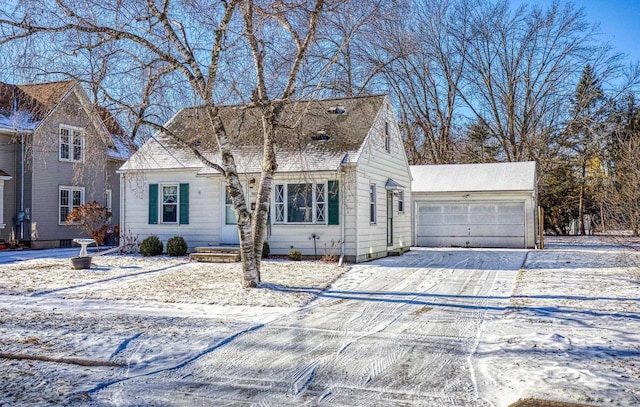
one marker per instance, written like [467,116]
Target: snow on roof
[314,137]
[519,176]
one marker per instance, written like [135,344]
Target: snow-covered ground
[432,327]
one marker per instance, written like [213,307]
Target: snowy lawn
[167,279]
[431,327]
[572,331]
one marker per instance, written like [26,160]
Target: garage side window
[372,203]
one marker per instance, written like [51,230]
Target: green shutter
[184,204]
[153,204]
[333,202]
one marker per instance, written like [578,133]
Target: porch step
[216,254]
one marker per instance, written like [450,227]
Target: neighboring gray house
[343,177]
[57,152]
[475,205]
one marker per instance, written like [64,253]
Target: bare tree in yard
[620,196]
[431,38]
[520,73]
[199,52]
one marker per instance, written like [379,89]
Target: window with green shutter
[153,204]
[169,203]
[333,202]
[184,204]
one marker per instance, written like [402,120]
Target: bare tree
[430,40]
[148,56]
[520,72]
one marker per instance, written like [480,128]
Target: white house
[342,185]
[475,205]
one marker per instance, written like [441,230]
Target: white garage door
[470,224]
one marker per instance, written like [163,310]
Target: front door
[389,218]
[229,227]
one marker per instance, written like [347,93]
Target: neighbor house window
[306,203]
[169,203]
[68,199]
[372,203]
[400,201]
[108,198]
[71,144]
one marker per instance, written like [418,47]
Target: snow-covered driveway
[395,331]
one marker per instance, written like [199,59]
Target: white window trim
[72,134]
[161,203]
[70,206]
[108,202]
[314,207]
[373,205]
[400,201]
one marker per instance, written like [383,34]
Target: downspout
[122,210]
[342,221]
[22,185]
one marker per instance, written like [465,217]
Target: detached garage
[475,205]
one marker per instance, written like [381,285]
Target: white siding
[204,208]
[376,166]
[286,237]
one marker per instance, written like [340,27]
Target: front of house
[58,153]
[342,186]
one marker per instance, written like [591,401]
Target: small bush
[295,255]
[266,250]
[151,246]
[177,246]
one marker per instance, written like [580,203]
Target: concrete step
[218,249]
[215,257]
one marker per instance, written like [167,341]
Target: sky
[619,21]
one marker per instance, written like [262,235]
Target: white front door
[229,228]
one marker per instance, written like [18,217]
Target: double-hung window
[372,203]
[387,138]
[401,201]
[68,199]
[169,203]
[306,203]
[71,144]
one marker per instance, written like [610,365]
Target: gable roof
[3,174]
[22,107]
[316,135]
[518,176]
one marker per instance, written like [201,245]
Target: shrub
[92,218]
[177,246]
[266,250]
[295,255]
[151,246]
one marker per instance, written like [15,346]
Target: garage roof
[519,176]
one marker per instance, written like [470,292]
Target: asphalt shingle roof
[316,135]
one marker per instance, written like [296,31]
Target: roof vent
[320,136]
[337,110]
